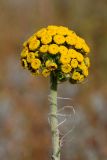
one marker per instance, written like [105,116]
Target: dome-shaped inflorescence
[59,50]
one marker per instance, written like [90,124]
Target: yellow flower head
[24,63]
[30,56]
[24,52]
[33,45]
[32,38]
[44,48]
[71,40]
[86,48]
[53,49]
[46,39]
[58,50]
[63,50]
[25,43]
[72,53]
[82,66]
[41,32]
[87,61]
[35,63]
[65,58]
[76,75]
[36,73]
[52,30]
[71,33]
[81,78]
[85,72]
[79,57]
[62,30]
[50,65]
[66,68]
[59,39]
[46,72]
[79,43]
[74,63]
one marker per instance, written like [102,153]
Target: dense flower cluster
[59,50]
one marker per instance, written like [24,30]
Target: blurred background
[24,107]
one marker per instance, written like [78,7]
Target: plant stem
[53,118]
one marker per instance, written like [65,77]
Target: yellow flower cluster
[56,49]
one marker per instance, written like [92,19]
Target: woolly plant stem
[53,118]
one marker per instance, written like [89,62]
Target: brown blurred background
[24,107]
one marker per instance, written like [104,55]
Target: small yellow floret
[50,65]
[36,63]
[62,30]
[30,57]
[46,39]
[53,48]
[71,33]
[46,72]
[25,43]
[76,75]
[85,72]
[41,32]
[63,50]
[79,43]
[24,52]
[36,73]
[81,78]
[66,68]
[71,40]
[87,61]
[65,58]
[82,66]
[59,39]
[74,63]
[44,48]
[24,63]
[86,48]
[72,53]
[52,30]
[79,57]
[33,45]
[32,38]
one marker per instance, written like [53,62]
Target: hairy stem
[53,118]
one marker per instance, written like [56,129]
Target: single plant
[57,52]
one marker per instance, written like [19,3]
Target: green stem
[53,118]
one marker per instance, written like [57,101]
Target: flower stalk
[53,118]
[58,52]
